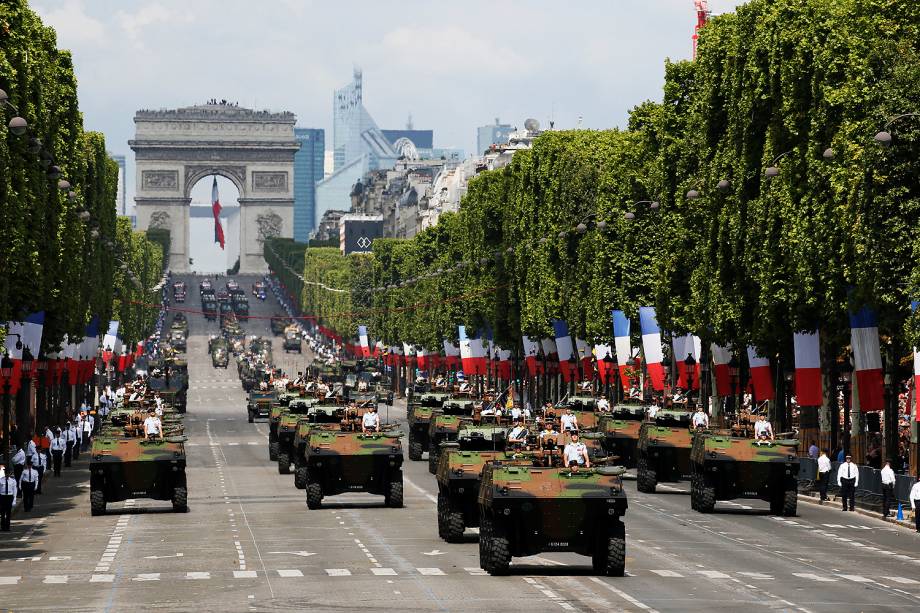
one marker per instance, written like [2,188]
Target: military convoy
[621,431]
[664,449]
[444,426]
[418,413]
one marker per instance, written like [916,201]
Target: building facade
[121,201]
[308,171]
[496,134]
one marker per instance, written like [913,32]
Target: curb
[812,500]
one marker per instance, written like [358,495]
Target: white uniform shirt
[29,475]
[569,422]
[518,433]
[824,463]
[887,476]
[914,494]
[39,460]
[515,413]
[78,428]
[370,420]
[87,427]
[603,405]
[573,452]
[19,458]
[152,425]
[700,419]
[59,443]
[653,411]
[761,427]
[30,448]
[848,470]
[71,435]
[8,487]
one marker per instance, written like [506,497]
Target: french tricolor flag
[867,358]
[563,348]
[27,333]
[601,352]
[687,345]
[451,356]
[472,355]
[808,389]
[651,345]
[761,375]
[421,358]
[621,342]
[88,350]
[531,349]
[504,363]
[363,340]
[585,357]
[721,356]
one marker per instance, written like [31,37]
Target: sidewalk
[835,503]
[58,494]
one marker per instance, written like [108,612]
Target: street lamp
[733,376]
[6,371]
[693,194]
[690,366]
[772,170]
[652,204]
[884,137]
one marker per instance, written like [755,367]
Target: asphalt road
[250,543]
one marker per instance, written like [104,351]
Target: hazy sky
[452,65]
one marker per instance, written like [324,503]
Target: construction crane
[702,16]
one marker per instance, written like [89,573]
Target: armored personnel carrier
[526,510]
[459,472]
[220,353]
[292,339]
[621,431]
[278,324]
[444,426]
[349,461]
[287,429]
[419,411]
[124,465]
[664,449]
[278,408]
[726,467]
[322,417]
[171,378]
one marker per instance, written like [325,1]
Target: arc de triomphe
[175,148]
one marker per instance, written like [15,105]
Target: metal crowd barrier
[869,490]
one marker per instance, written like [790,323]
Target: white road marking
[713,574]
[55,579]
[292,572]
[666,573]
[430,572]
[856,578]
[244,574]
[383,571]
[903,580]
[813,577]
[197,575]
[624,595]
[102,578]
[147,577]
[476,572]
[338,572]
[756,575]
[9,580]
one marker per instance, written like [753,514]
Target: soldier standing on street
[7,500]
[71,438]
[824,474]
[887,489]
[28,483]
[19,463]
[914,503]
[58,446]
[848,479]
[39,463]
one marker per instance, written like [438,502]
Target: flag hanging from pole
[721,357]
[651,345]
[622,345]
[867,360]
[216,208]
[761,375]
[808,388]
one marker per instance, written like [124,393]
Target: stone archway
[255,150]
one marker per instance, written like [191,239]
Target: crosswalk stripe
[856,578]
[755,575]
[197,575]
[55,579]
[338,572]
[431,572]
[9,580]
[244,574]
[290,572]
[147,577]
[713,574]
[813,577]
[383,571]
[102,579]
[476,572]
[666,573]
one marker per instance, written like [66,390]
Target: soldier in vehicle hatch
[153,428]
[575,454]
[518,435]
[370,422]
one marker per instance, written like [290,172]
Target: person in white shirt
[914,502]
[887,488]
[153,428]
[515,413]
[575,454]
[762,426]
[848,479]
[700,419]
[549,436]
[603,404]
[77,428]
[58,447]
[824,474]
[87,432]
[569,421]
[28,482]
[370,422]
[653,411]
[518,435]
[19,463]
[71,437]
[8,492]
[40,463]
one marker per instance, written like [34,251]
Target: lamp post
[41,367]
[846,375]
[884,137]
[733,376]
[612,373]
[22,418]
[6,371]
[690,365]
[651,204]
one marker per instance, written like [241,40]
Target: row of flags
[477,354]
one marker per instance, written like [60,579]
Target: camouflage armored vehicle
[663,453]
[172,378]
[445,425]
[292,339]
[419,412]
[260,403]
[621,431]
[583,407]
[124,465]
[286,431]
[725,467]
[278,324]
[220,353]
[459,470]
[349,461]
[328,417]
[525,510]
[278,408]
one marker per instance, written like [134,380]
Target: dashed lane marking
[856,578]
[667,573]
[293,572]
[383,571]
[338,572]
[431,572]
[813,577]
[245,574]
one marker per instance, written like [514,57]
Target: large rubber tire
[314,495]
[252,417]
[97,502]
[790,503]
[646,479]
[180,500]
[450,524]
[497,553]
[394,497]
[415,451]
[705,497]
[300,477]
[616,557]
[273,452]
[433,456]
[284,464]
[694,495]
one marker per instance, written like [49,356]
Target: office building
[308,171]
[495,134]
[121,202]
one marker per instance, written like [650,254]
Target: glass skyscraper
[308,170]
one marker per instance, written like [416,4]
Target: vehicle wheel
[284,464]
[97,502]
[180,500]
[252,417]
[300,477]
[498,553]
[442,516]
[646,480]
[790,502]
[415,451]
[273,452]
[705,497]
[394,498]
[616,557]
[432,460]
[314,495]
